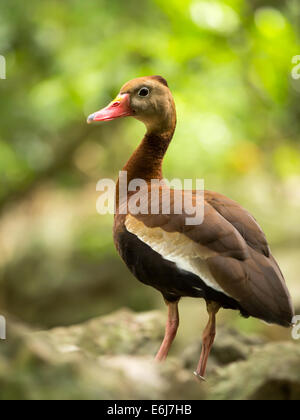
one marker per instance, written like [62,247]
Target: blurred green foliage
[229,66]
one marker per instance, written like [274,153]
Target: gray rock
[106,358]
[123,332]
[111,357]
[272,372]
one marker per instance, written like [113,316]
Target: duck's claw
[201,378]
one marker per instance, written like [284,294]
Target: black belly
[152,269]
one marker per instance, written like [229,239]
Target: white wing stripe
[176,247]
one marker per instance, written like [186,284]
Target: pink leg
[171,330]
[208,339]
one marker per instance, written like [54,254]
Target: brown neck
[146,161]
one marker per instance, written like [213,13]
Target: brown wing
[235,252]
[241,219]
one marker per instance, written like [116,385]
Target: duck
[224,259]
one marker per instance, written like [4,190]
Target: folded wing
[229,251]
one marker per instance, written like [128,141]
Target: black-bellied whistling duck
[226,259]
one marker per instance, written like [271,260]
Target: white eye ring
[144,92]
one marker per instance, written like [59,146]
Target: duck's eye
[144,92]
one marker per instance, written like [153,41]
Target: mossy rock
[111,357]
[106,358]
[272,372]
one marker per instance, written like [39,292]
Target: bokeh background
[228,64]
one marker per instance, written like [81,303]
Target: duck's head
[147,99]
